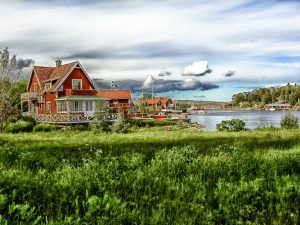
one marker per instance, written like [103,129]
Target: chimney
[58,63]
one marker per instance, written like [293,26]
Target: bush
[45,127]
[289,121]
[150,122]
[121,125]
[29,119]
[20,126]
[231,125]
[80,127]
[102,117]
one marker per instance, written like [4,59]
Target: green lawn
[150,176]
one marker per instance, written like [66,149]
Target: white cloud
[149,81]
[199,68]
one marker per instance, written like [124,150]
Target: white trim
[80,84]
[77,63]
[35,87]
[31,74]
[48,102]
[66,76]
[85,73]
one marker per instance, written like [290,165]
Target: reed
[150,177]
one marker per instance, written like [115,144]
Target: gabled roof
[56,74]
[153,101]
[115,94]
[164,100]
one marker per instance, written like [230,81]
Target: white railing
[66,118]
[28,95]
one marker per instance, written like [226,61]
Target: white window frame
[80,84]
[48,107]
[89,106]
[35,87]
[61,106]
[76,107]
[47,88]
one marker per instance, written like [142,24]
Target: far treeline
[261,96]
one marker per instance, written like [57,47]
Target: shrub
[121,125]
[150,122]
[289,121]
[29,119]
[231,125]
[80,127]
[45,127]
[102,115]
[20,126]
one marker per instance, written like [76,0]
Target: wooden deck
[66,118]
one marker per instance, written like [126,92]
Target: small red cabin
[119,100]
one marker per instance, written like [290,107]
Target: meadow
[150,176]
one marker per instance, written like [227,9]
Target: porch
[67,118]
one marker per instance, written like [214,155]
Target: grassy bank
[150,176]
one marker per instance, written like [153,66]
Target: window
[47,86]
[89,106]
[76,106]
[61,106]
[76,84]
[61,88]
[35,87]
[48,107]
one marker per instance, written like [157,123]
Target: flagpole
[152,95]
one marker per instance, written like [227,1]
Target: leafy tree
[9,76]
[289,121]
[102,116]
[231,125]
[121,125]
[289,93]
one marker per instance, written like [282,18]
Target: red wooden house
[62,94]
[119,100]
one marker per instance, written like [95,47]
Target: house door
[89,109]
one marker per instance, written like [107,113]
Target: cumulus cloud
[23,63]
[199,68]
[164,73]
[230,73]
[159,85]
[149,81]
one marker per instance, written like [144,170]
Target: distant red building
[119,100]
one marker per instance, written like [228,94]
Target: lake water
[253,119]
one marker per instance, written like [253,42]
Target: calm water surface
[253,119]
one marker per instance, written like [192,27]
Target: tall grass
[169,177]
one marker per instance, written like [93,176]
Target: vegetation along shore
[151,175]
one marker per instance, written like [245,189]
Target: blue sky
[206,50]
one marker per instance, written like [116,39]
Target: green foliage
[15,92]
[80,127]
[43,127]
[231,125]
[289,121]
[289,93]
[29,119]
[150,178]
[150,122]
[20,126]
[184,106]
[121,125]
[102,116]
[9,77]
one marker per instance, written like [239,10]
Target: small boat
[272,109]
[159,116]
[197,112]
